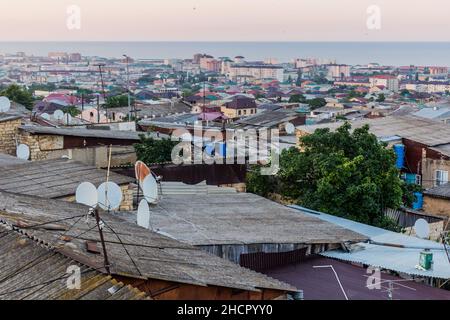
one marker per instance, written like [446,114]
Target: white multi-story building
[242,72]
[388,81]
[338,71]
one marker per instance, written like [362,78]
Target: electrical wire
[124,247]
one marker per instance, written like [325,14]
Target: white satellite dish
[86,193]
[23,152]
[5,104]
[67,118]
[290,128]
[58,115]
[143,214]
[422,228]
[150,189]
[45,116]
[109,196]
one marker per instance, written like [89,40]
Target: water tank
[399,150]
[418,203]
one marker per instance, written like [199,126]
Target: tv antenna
[106,196]
[5,104]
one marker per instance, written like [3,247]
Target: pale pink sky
[225,20]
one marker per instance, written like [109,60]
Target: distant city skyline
[224,20]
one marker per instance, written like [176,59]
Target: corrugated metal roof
[400,259]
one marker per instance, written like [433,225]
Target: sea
[386,53]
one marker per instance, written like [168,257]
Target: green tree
[72,110]
[150,150]
[19,95]
[317,103]
[344,173]
[381,97]
[118,101]
[297,98]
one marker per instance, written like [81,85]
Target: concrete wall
[8,134]
[429,166]
[436,229]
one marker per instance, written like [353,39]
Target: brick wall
[8,134]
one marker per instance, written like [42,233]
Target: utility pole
[100,65]
[128,87]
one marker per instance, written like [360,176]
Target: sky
[224,20]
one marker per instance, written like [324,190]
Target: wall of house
[429,167]
[437,206]
[8,133]
[167,290]
[45,147]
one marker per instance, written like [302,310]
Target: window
[245,111]
[441,177]
[418,179]
[239,112]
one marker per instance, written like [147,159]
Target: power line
[124,247]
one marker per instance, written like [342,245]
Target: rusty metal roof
[32,271]
[148,255]
[53,178]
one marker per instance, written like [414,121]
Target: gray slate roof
[28,271]
[442,191]
[53,178]
[156,256]
[86,133]
[240,218]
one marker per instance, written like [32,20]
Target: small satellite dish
[23,152]
[45,116]
[143,214]
[290,128]
[109,196]
[150,189]
[5,104]
[422,228]
[58,115]
[86,193]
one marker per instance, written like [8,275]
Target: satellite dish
[150,189]
[23,152]
[109,196]
[290,128]
[5,104]
[143,214]
[45,116]
[422,228]
[141,171]
[58,115]
[67,118]
[87,194]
